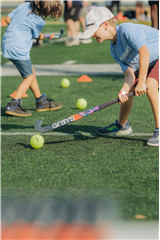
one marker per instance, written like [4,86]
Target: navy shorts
[71,13]
[23,66]
[153,2]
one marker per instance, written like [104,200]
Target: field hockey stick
[75,117]
[56,35]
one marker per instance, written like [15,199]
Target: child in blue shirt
[136,48]
[25,23]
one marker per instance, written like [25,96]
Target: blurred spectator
[111,4]
[154,5]
[140,13]
[71,17]
[82,15]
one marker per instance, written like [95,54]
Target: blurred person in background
[140,12]
[82,15]
[154,6]
[111,4]
[71,17]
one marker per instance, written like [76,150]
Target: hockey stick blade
[54,36]
[73,118]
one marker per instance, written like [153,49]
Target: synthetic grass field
[75,163]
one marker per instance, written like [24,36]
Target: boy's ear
[106,24]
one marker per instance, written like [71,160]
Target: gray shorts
[23,66]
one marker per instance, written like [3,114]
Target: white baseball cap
[94,19]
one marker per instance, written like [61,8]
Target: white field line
[68,134]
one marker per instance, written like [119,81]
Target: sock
[157,129]
[39,98]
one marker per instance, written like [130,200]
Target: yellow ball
[37,141]
[65,82]
[81,103]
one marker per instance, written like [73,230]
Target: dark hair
[47,8]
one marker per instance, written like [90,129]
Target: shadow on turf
[122,137]
[92,130]
[14,126]
[79,138]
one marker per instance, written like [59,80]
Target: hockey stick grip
[116,100]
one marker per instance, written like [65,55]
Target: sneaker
[14,108]
[115,129]
[86,41]
[154,140]
[71,42]
[46,104]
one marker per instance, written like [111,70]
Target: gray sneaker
[14,108]
[154,140]
[115,129]
[47,104]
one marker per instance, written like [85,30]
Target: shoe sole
[77,44]
[152,144]
[86,42]
[17,114]
[119,133]
[47,109]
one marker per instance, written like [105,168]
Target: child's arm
[41,36]
[143,69]
[7,20]
[128,83]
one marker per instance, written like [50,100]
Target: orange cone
[3,22]
[13,94]
[84,78]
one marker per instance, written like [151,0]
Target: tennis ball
[37,141]
[81,103]
[65,83]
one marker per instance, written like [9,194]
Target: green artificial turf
[80,164]
[122,170]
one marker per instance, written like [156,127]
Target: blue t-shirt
[130,38]
[18,38]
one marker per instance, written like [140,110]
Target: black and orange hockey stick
[73,118]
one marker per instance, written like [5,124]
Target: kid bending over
[134,47]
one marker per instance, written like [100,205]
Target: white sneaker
[72,42]
[85,41]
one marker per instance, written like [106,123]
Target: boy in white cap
[133,46]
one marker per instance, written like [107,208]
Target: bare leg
[71,28]
[82,21]
[153,96]
[125,110]
[28,82]
[77,27]
[154,16]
